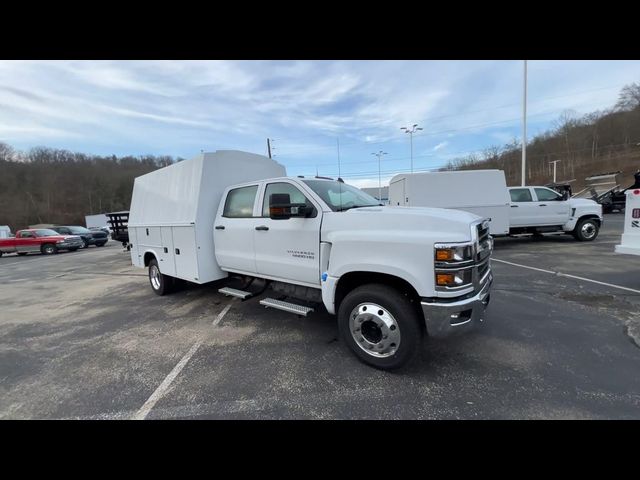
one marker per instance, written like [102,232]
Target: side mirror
[281,208]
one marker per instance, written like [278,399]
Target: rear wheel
[85,243]
[74,249]
[380,325]
[101,244]
[161,284]
[586,230]
[49,249]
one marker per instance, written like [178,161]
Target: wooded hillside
[599,142]
[46,185]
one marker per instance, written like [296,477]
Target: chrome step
[286,306]
[235,292]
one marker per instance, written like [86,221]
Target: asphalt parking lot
[83,336]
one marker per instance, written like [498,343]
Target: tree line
[599,142]
[46,185]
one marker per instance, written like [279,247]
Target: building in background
[373,191]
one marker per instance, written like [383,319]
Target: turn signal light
[445,279]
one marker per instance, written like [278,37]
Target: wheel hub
[588,229]
[374,330]
[154,275]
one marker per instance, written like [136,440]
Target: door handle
[514,206]
[262,227]
[219,227]
[543,205]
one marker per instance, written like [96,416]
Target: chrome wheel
[374,330]
[588,230]
[154,276]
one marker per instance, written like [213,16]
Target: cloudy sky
[182,107]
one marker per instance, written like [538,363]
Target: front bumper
[443,318]
[67,244]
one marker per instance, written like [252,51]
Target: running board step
[235,292]
[286,306]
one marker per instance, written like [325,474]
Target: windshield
[46,233]
[78,230]
[340,196]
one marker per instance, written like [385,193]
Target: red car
[41,240]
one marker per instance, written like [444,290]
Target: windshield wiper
[344,209]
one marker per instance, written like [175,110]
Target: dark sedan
[89,237]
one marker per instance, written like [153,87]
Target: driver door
[288,249]
[27,242]
[553,209]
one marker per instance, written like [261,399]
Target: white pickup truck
[390,274]
[539,210]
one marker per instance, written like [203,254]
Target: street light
[379,154]
[411,132]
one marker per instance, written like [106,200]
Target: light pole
[555,163]
[524,125]
[379,154]
[411,131]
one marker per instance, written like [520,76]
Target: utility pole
[379,154]
[555,162]
[524,125]
[269,146]
[411,132]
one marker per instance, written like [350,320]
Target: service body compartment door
[166,254]
[185,252]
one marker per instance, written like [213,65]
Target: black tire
[74,249]
[1,253]
[85,243]
[101,244]
[586,230]
[401,310]
[22,253]
[161,284]
[49,249]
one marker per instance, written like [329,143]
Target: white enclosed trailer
[96,221]
[173,210]
[482,192]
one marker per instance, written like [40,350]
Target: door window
[520,195]
[239,203]
[295,195]
[546,195]
[26,235]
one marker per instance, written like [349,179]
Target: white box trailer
[173,210]
[96,221]
[482,192]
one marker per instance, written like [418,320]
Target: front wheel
[49,249]
[101,244]
[586,230]
[161,284]
[380,325]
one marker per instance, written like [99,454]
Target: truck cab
[537,209]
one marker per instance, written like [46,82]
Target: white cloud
[440,146]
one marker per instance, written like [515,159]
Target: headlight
[451,253]
[60,241]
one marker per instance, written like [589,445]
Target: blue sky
[182,107]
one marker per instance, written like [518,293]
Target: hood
[582,202]
[447,225]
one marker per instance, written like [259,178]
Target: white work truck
[540,210]
[389,274]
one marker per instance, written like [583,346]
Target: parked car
[41,240]
[97,238]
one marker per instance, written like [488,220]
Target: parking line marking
[560,274]
[164,386]
[221,314]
